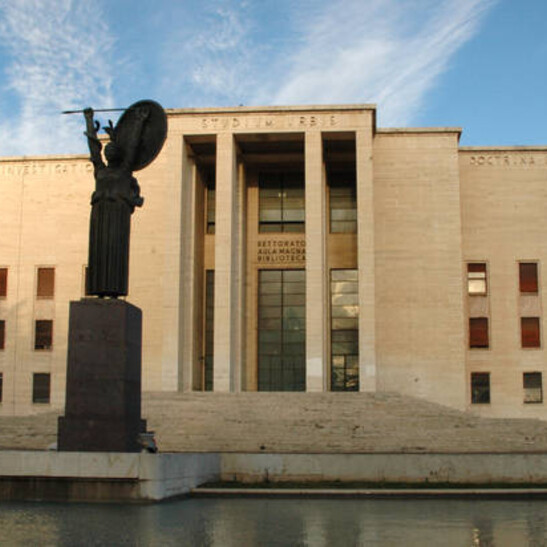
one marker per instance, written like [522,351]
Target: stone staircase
[304,422]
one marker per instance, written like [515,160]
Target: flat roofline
[515,148]
[45,157]
[403,130]
[272,109]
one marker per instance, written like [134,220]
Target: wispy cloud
[212,55]
[389,52]
[59,52]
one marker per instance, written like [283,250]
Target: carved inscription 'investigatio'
[36,168]
[508,160]
[277,251]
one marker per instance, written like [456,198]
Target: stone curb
[494,493]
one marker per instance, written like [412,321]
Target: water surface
[243,522]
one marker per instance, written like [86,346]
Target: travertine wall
[504,220]
[44,211]
[425,208]
[45,222]
[419,303]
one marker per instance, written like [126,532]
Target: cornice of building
[405,130]
[44,157]
[515,148]
[270,109]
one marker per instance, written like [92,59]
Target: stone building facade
[295,249]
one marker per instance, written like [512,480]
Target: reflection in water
[249,521]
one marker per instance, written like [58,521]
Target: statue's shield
[154,132]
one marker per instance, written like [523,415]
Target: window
[529,330]
[43,335]
[3,282]
[476,279]
[344,286]
[480,388]
[281,202]
[528,277]
[209,328]
[478,332]
[343,204]
[2,333]
[86,281]
[41,387]
[282,330]
[210,205]
[1,386]
[46,283]
[533,390]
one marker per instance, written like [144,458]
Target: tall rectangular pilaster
[190,228]
[227,322]
[365,260]
[316,265]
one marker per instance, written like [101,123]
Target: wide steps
[304,422]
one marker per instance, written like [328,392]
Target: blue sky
[479,64]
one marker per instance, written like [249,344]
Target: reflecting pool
[246,522]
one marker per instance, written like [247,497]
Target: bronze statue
[135,141]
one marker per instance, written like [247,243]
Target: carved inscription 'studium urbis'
[135,141]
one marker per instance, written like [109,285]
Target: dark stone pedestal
[103,388]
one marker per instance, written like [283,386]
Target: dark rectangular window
[281,202]
[43,334]
[3,282]
[529,329]
[528,277]
[480,388]
[41,383]
[476,279]
[533,388]
[2,333]
[86,280]
[210,205]
[478,332]
[209,328]
[344,286]
[45,286]
[282,330]
[1,386]
[343,203]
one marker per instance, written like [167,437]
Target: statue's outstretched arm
[141,115]
[93,141]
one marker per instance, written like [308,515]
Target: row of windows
[41,387]
[532,384]
[529,332]
[477,284]
[45,282]
[281,203]
[43,334]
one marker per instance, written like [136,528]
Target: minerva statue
[134,143]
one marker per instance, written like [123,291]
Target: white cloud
[61,54]
[389,52]
[58,51]
[211,55]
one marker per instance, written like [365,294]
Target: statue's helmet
[113,152]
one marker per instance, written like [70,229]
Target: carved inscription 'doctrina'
[508,160]
[278,251]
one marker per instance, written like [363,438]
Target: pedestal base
[103,389]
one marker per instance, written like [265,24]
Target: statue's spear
[94,110]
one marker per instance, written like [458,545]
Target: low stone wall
[102,476]
[457,469]
[106,477]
